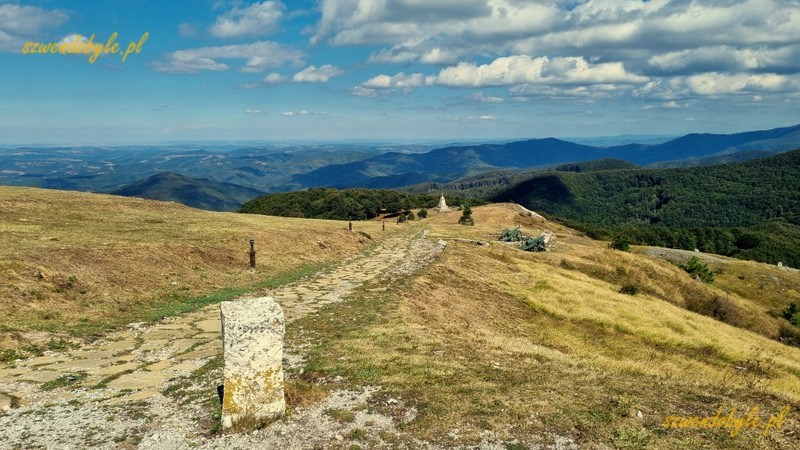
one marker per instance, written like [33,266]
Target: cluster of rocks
[531,244]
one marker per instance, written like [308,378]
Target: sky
[337,70]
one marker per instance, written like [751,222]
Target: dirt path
[108,393]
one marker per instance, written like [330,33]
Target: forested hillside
[327,203]
[749,209]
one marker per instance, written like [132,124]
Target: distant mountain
[451,163]
[197,193]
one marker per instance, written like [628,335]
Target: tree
[622,243]
[423,213]
[698,269]
[466,217]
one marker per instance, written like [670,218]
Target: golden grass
[529,344]
[70,259]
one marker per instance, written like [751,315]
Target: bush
[422,214]
[466,217]
[791,314]
[698,270]
[628,289]
[621,243]
[401,218]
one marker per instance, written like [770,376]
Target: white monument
[442,205]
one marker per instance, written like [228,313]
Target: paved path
[138,363]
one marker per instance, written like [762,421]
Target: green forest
[356,204]
[749,210]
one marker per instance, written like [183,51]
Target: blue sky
[402,69]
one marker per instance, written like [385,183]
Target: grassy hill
[197,193]
[530,346]
[744,209]
[81,263]
[486,343]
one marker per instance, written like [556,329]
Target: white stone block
[252,340]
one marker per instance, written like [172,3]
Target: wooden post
[252,252]
[383,225]
[350,225]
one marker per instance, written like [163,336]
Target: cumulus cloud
[258,56]
[314,74]
[718,84]
[686,37]
[19,24]
[514,70]
[400,80]
[255,20]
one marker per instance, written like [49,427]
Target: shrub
[422,214]
[698,269]
[466,217]
[621,243]
[791,314]
[628,289]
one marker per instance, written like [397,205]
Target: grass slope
[82,263]
[527,347]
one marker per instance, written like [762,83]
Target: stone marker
[252,341]
[442,205]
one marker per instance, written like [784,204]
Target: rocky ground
[111,394]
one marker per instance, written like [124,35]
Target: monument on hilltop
[442,205]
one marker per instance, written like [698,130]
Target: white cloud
[255,20]
[686,37]
[718,84]
[401,80]
[302,112]
[314,74]
[258,56]
[361,91]
[253,111]
[482,118]
[187,30]
[479,97]
[274,78]
[514,70]
[19,24]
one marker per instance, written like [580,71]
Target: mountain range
[450,163]
[228,171]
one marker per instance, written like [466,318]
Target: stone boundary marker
[252,341]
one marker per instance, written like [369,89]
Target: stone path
[137,364]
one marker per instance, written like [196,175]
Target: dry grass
[525,345]
[81,262]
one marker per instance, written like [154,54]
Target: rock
[780,264]
[439,247]
[252,340]
[639,414]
